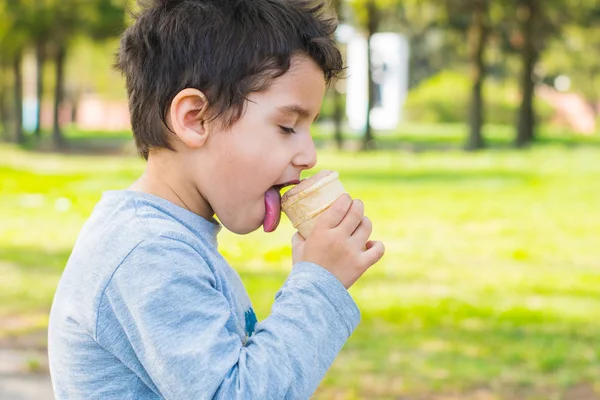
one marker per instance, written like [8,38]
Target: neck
[165,178]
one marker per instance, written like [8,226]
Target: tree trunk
[338,112]
[529,58]
[3,107]
[372,25]
[57,135]
[594,101]
[18,93]
[40,60]
[477,41]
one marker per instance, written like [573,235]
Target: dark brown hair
[224,48]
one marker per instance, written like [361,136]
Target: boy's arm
[176,321]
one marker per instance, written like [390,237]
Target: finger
[363,232]
[374,253]
[297,244]
[353,217]
[297,240]
[332,217]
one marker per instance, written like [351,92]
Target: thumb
[297,240]
[297,247]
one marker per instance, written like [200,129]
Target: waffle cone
[305,202]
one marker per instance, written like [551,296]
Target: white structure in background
[30,100]
[390,62]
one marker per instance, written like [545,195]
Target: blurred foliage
[54,22]
[577,56]
[527,42]
[50,27]
[444,98]
[564,35]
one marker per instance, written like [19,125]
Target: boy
[222,94]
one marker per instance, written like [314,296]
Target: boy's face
[240,166]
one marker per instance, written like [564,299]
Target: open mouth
[273,205]
[286,185]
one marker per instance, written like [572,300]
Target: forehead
[300,89]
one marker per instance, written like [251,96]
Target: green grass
[490,283]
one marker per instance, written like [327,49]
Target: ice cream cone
[303,203]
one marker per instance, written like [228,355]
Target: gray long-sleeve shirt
[147,309]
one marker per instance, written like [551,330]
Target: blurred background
[468,127]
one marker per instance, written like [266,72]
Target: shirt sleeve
[165,298]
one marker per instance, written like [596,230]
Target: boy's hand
[340,241]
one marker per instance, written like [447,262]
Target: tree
[576,55]
[60,57]
[66,16]
[49,26]
[478,34]
[40,57]
[369,15]
[13,38]
[538,22]
[3,109]
[582,65]
[40,30]
[99,19]
[18,93]
[472,19]
[373,20]
[338,111]
[450,21]
[424,24]
[4,114]
[530,18]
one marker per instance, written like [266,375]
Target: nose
[306,158]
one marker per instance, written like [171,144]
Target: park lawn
[490,285]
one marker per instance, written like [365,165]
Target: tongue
[273,210]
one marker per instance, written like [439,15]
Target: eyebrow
[296,109]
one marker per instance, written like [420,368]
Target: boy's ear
[187,117]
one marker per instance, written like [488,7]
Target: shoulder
[134,239]
[130,218]
[170,255]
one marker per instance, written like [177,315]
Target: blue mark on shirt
[250,321]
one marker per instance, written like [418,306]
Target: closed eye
[286,130]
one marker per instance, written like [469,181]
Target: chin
[241,227]
[243,230]
[244,220]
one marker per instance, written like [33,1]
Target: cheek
[250,160]
[253,164]
[240,178]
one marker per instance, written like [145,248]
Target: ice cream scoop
[303,203]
